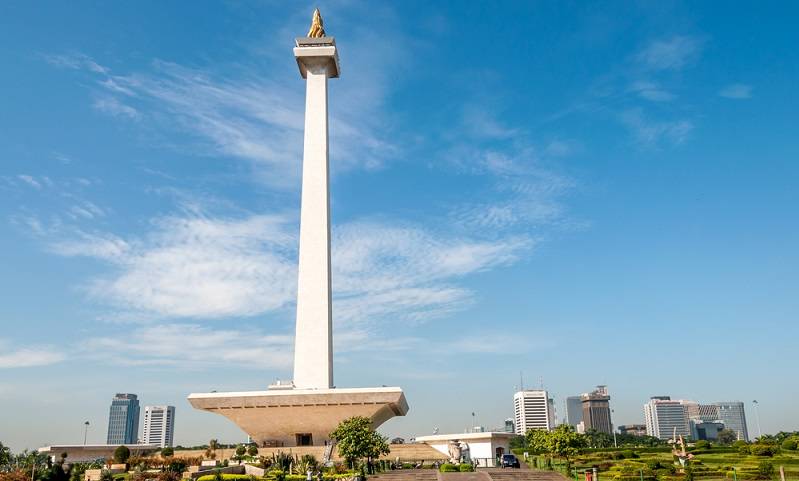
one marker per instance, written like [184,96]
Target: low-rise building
[481,448]
[633,429]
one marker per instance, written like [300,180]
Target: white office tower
[533,409]
[664,416]
[159,425]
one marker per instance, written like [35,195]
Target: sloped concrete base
[280,417]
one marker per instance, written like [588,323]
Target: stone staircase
[406,475]
[510,474]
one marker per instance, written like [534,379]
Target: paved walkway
[482,474]
[510,474]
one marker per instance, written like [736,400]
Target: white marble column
[313,344]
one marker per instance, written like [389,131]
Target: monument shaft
[313,343]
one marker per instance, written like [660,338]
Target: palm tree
[213,445]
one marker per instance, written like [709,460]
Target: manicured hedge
[288,477]
[226,477]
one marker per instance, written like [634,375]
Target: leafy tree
[517,442]
[790,444]
[213,445]
[726,437]
[597,439]
[355,439]
[783,435]
[167,452]
[121,454]
[767,439]
[252,450]
[5,456]
[240,451]
[561,442]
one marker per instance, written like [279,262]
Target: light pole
[85,432]
[757,418]
[613,430]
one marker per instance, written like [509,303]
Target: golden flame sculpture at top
[317,27]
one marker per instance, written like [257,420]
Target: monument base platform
[301,417]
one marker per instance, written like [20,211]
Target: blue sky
[589,194]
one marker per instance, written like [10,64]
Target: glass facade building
[734,418]
[123,419]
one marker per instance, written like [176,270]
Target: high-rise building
[123,419]
[574,410]
[509,426]
[596,410]
[665,417]
[533,409]
[734,418]
[159,425]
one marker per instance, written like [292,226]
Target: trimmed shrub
[763,449]
[702,444]
[466,468]
[224,477]
[765,470]
[449,468]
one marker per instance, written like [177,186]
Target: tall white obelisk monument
[305,412]
[317,58]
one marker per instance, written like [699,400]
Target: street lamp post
[85,432]
[757,418]
[613,430]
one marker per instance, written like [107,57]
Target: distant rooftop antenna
[521,381]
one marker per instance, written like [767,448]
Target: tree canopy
[355,439]
[121,454]
[563,441]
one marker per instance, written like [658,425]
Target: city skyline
[575,183]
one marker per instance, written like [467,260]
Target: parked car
[510,461]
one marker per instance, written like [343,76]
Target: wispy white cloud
[30,180]
[193,266]
[670,54]
[652,132]
[86,210]
[75,61]
[112,106]
[244,114]
[193,346]
[736,91]
[198,266]
[30,356]
[407,273]
[651,91]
